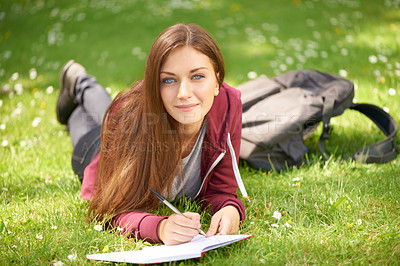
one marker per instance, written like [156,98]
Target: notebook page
[164,253]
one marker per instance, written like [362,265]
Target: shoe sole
[64,72]
[62,88]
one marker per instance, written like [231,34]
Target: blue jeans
[84,124]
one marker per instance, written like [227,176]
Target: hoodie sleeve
[220,187]
[139,225]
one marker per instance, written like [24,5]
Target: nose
[185,90]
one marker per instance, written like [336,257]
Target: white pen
[172,207]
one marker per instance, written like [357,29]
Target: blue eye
[198,76]
[167,81]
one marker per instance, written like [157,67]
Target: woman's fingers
[179,229]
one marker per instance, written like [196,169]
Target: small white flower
[98,227]
[296,179]
[252,75]
[120,229]
[392,92]
[18,88]
[343,73]
[36,121]
[274,225]
[72,257]
[288,225]
[39,236]
[54,227]
[58,263]
[3,126]
[359,222]
[32,73]
[4,189]
[49,89]
[277,215]
[372,59]
[386,109]
[14,76]
[4,143]
[14,246]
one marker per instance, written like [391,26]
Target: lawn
[332,212]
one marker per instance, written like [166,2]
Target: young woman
[170,132]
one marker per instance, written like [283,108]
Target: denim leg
[85,150]
[84,124]
[92,96]
[80,123]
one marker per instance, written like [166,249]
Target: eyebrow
[191,71]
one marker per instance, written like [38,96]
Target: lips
[186,107]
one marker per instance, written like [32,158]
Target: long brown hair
[140,141]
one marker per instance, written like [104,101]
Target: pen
[172,207]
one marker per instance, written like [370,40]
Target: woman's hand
[179,229]
[225,221]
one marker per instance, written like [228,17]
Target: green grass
[111,39]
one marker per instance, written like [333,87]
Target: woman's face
[188,87]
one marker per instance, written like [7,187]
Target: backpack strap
[381,152]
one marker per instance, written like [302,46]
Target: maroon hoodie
[219,186]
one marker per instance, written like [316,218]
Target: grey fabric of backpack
[279,113]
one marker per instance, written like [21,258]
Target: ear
[216,90]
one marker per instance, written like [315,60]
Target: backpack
[279,113]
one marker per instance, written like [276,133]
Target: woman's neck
[189,135]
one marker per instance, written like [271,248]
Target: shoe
[65,103]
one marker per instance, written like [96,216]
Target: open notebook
[164,253]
